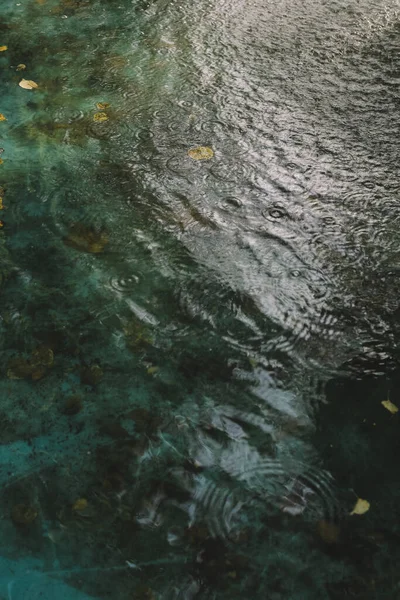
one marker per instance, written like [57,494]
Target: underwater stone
[72,406]
[91,375]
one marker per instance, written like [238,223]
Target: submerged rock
[72,405]
[91,375]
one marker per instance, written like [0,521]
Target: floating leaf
[28,84]
[2,117]
[3,48]
[360,507]
[103,105]
[390,406]
[80,504]
[21,67]
[100,117]
[152,370]
[201,153]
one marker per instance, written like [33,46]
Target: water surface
[195,352]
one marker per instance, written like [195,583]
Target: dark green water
[194,353]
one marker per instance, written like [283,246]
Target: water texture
[194,353]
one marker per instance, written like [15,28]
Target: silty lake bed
[196,344]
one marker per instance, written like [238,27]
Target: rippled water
[195,352]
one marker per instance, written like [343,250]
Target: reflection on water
[195,352]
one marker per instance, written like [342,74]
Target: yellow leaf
[1,161]
[2,117]
[390,406]
[28,84]
[100,117]
[201,153]
[21,67]
[152,370]
[360,507]
[1,223]
[3,48]
[80,504]
[1,204]
[103,105]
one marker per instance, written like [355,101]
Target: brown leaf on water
[20,67]
[100,117]
[390,406]
[28,84]
[201,153]
[360,507]
[3,48]
[2,117]
[103,105]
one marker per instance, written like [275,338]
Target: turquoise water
[195,352]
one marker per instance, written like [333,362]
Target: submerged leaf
[2,117]
[152,370]
[360,507]
[42,356]
[100,117]
[22,514]
[80,504]
[201,153]
[86,239]
[390,406]
[28,84]
[3,48]
[21,67]
[103,105]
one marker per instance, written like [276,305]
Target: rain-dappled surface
[199,299]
